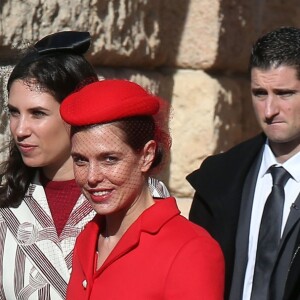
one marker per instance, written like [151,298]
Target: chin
[32,164]
[282,141]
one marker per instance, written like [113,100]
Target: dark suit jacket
[219,184]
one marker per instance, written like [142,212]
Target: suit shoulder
[250,146]
[233,163]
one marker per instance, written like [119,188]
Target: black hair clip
[73,41]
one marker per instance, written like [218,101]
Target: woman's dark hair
[138,131]
[58,73]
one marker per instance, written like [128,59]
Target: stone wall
[194,53]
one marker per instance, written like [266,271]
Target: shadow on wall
[1,22]
[4,73]
[246,20]
[168,16]
[172,19]
[9,55]
[233,112]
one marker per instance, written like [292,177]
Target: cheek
[259,111]
[117,175]
[56,128]
[80,175]
[12,125]
[257,106]
[123,173]
[293,110]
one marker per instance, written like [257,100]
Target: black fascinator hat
[68,41]
[63,42]
[56,63]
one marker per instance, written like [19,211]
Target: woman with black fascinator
[41,208]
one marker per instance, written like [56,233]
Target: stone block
[190,33]
[125,33]
[207,119]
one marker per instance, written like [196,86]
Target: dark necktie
[269,235]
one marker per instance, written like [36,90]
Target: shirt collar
[292,165]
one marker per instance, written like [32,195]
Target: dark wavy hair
[278,47]
[57,73]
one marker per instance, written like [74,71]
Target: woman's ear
[148,155]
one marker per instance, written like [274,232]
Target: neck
[284,151]
[118,223]
[60,171]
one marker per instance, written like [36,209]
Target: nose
[21,127]
[271,107]
[95,174]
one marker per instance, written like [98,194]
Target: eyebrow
[99,155]
[289,90]
[30,109]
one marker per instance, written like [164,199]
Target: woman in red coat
[136,247]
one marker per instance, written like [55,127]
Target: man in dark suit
[233,189]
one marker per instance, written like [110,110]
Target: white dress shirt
[262,190]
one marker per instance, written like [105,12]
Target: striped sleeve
[158,188]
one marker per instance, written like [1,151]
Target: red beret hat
[107,101]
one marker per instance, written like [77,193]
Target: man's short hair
[278,47]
